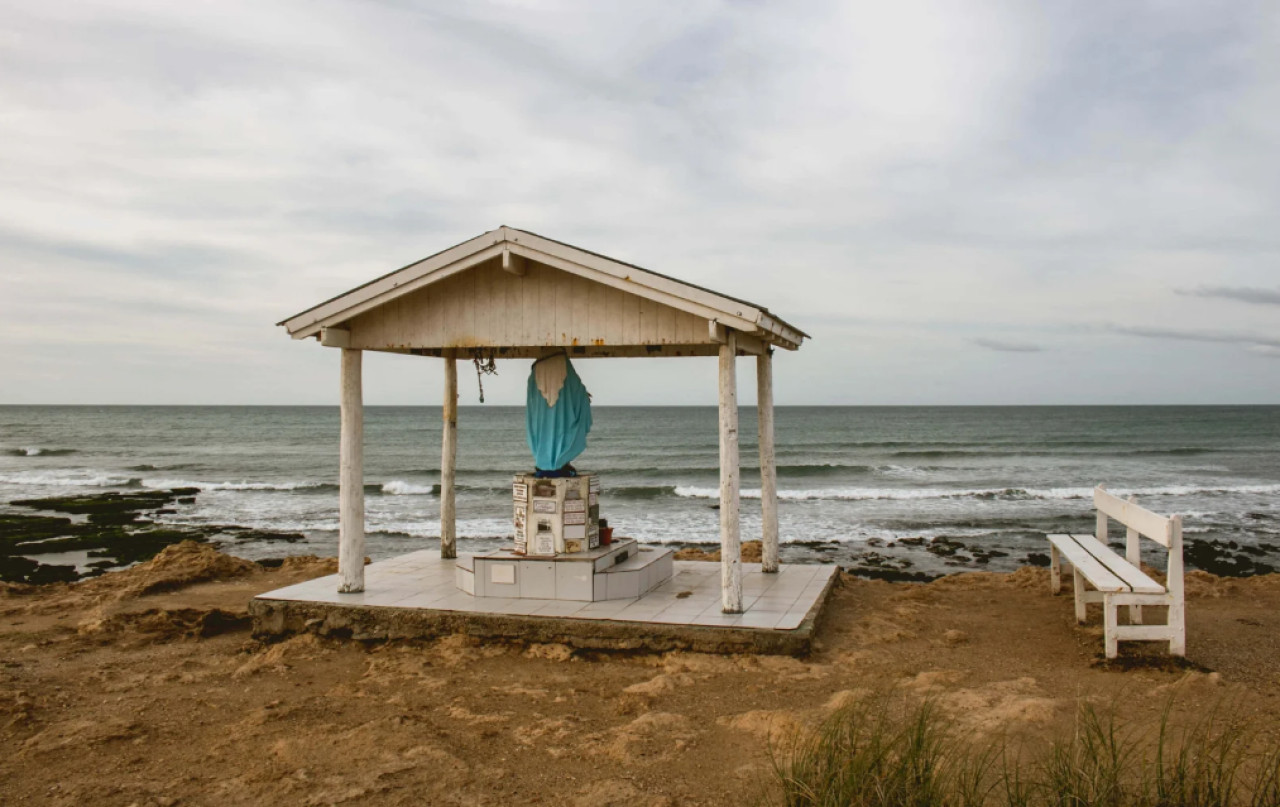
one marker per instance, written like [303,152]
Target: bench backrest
[1164,530]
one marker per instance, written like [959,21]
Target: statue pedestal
[622,570]
[556,516]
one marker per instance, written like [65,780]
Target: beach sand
[144,687]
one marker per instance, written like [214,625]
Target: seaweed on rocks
[108,508]
[891,575]
[876,566]
[1037,559]
[20,527]
[247,534]
[944,547]
[1224,558]
[17,569]
[114,530]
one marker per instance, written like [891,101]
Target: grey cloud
[1222,337]
[1005,346]
[891,177]
[1243,294]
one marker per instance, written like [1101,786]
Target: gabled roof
[512,245]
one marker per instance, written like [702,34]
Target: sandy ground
[144,687]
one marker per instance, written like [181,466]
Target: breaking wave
[36,451]
[70,479]
[1004,494]
[397,487]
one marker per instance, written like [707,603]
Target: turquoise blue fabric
[557,434]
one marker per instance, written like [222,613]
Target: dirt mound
[282,656]
[617,793]
[163,625]
[78,734]
[651,736]
[176,566]
[311,564]
[751,553]
[771,725]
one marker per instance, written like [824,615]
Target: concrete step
[647,569]
[632,571]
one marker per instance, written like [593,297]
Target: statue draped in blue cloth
[557,415]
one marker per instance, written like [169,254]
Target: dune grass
[890,751]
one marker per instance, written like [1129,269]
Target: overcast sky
[1074,202]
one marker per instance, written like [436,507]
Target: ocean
[857,485]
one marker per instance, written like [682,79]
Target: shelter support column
[768,465]
[351,475]
[449,458]
[730,539]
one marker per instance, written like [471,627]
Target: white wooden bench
[1117,581]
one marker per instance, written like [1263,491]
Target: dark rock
[1218,557]
[115,532]
[1036,559]
[16,527]
[944,547]
[17,569]
[891,575]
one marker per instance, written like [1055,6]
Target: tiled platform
[415,596]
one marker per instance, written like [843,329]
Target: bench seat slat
[1135,578]
[1100,576]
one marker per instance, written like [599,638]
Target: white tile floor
[423,580]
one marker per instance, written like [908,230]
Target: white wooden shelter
[511,294]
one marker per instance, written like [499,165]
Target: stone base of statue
[621,570]
[558,554]
[558,516]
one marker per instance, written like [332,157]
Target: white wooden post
[449,458]
[1133,554]
[730,539]
[1110,637]
[351,476]
[1100,532]
[1055,569]
[1078,581]
[1173,582]
[768,465]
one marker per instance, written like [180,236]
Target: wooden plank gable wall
[488,307]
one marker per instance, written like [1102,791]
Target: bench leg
[1177,629]
[1081,614]
[1110,622]
[1055,570]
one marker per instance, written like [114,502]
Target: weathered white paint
[335,337]
[1133,554]
[730,538]
[449,460]
[1118,582]
[1099,575]
[1174,580]
[351,475]
[1150,524]
[477,309]
[575,352]
[768,464]
[507,248]
[515,264]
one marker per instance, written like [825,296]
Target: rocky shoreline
[120,528]
[115,530]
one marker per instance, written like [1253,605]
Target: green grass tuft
[890,751]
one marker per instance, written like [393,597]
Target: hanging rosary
[486,366]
